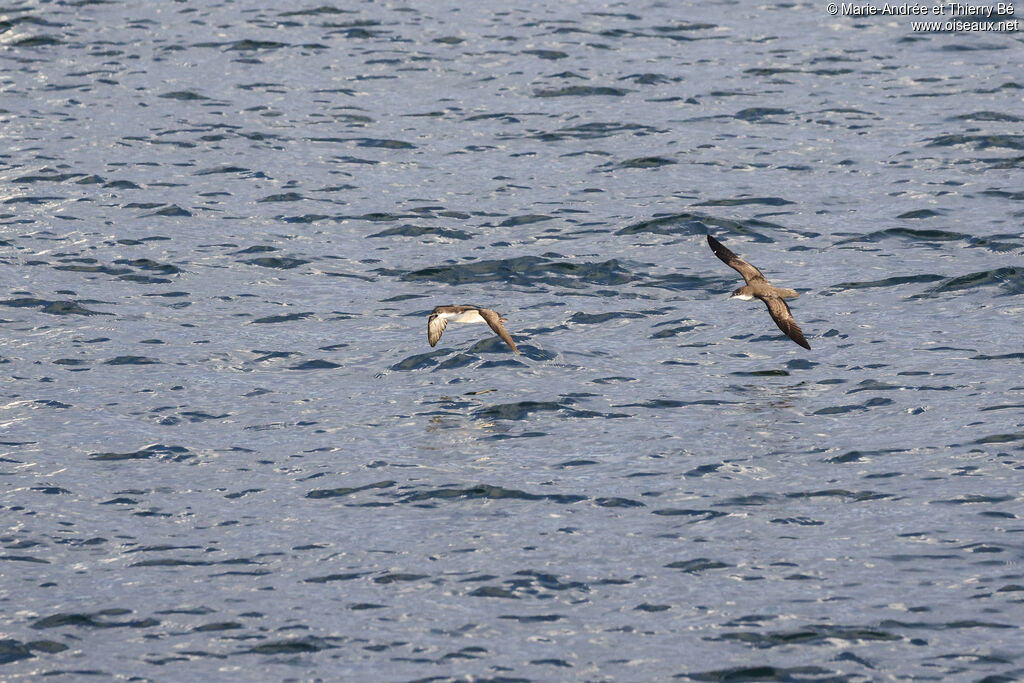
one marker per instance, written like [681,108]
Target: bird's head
[741,295]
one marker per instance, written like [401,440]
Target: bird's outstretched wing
[435,326]
[494,320]
[749,272]
[784,319]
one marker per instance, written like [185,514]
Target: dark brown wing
[494,320]
[749,272]
[435,326]
[784,319]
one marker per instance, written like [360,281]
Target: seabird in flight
[442,315]
[759,287]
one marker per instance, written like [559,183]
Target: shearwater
[758,287]
[442,315]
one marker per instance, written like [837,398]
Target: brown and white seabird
[758,287]
[442,315]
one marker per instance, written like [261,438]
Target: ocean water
[229,452]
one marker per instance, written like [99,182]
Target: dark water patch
[14,650]
[581,91]
[743,201]
[799,521]
[750,674]
[383,144]
[575,463]
[591,131]
[53,404]
[907,234]
[497,345]
[1003,194]
[861,456]
[506,437]
[33,200]
[680,282]
[315,364]
[647,607]
[280,262]
[528,271]
[183,95]
[761,373]
[38,41]
[305,218]
[283,197]
[121,185]
[695,223]
[98,619]
[525,220]
[840,410]
[943,626]
[23,558]
[53,307]
[698,565]
[272,355]
[999,438]
[318,494]
[1003,163]
[613,380]
[459,360]
[1007,278]
[270,319]
[546,54]
[220,170]
[532,619]
[247,44]
[696,514]
[702,470]
[106,270]
[642,163]
[979,142]
[296,646]
[419,361]
[809,635]
[517,411]
[921,213]
[132,360]
[1008,406]
[171,210]
[409,230]
[49,490]
[47,175]
[527,583]
[399,577]
[328,578]
[150,264]
[889,282]
[200,416]
[760,114]
[650,79]
[987,116]
[875,385]
[487,492]
[852,496]
[615,502]
[381,217]
[598,318]
[159,451]
[218,626]
[662,403]
[146,280]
